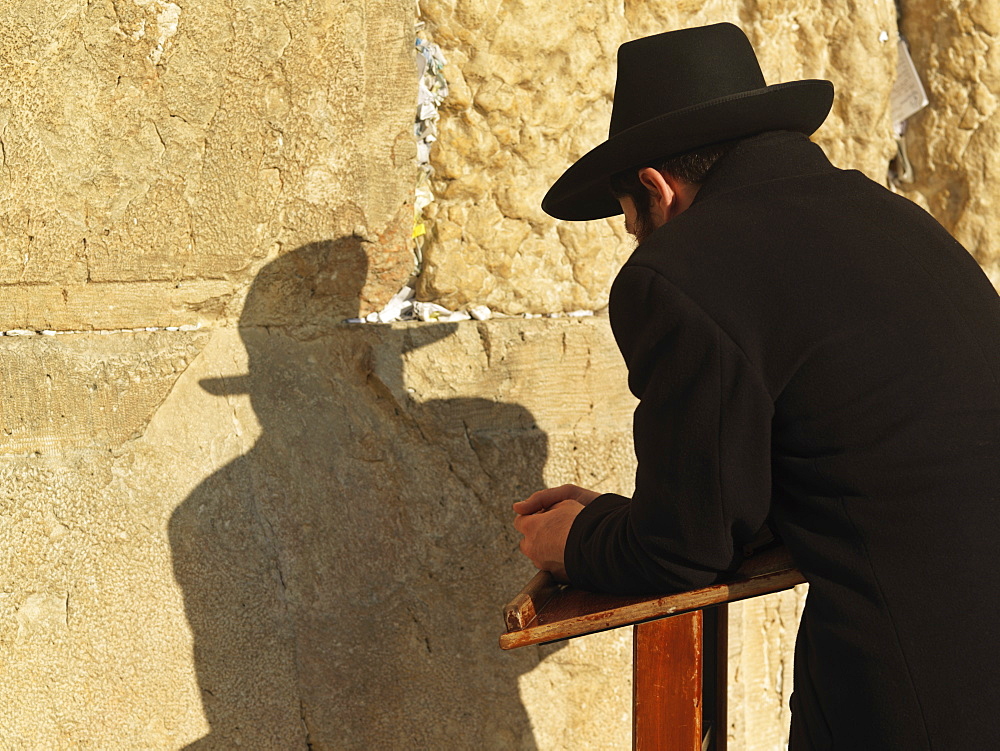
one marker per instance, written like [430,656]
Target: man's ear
[668,196]
[662,196]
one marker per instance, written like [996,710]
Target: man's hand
[545,519]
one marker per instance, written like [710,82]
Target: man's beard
[643,225]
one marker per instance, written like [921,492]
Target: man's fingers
[532,504]
[544,536]
[547,498]
[526,507]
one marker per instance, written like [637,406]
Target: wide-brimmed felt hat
[677,92]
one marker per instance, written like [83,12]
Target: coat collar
[770,156]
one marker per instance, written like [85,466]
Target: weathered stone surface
[954,143]
[149,141]
[309,541]
[761,633]
[531,87]
[94,644]
[85,390]
[116,305]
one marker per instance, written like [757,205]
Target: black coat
[812,350]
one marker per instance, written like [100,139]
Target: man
[811,354]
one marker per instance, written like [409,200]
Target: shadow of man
[342,578]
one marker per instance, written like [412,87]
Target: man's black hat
[677,92]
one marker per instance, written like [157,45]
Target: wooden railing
[679,645]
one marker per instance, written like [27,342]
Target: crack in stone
[138,330]
[141,430]
[305,724]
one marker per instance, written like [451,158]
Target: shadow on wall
[343,578]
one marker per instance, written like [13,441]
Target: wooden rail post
[679,649]
[667,683]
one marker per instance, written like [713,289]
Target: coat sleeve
[702,433]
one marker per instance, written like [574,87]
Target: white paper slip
[908,96]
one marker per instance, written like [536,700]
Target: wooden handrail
[545,611]
[677,704]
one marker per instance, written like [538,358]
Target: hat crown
[677,69]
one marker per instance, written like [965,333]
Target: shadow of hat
[306,293]
[677,92]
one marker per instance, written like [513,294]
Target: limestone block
[85,390]
[90,628]
[761,632]
[532,85]
[308,541]
[954,143]
[149,141]
[116,305]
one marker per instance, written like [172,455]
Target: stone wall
[531,89]
[154,156]
[305,539]
[228,518]
[954,144]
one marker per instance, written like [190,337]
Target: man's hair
[692,167]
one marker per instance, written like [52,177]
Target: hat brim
[413,338]
[582,192]
[227,385]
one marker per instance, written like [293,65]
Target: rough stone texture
[531,89]
[180,145]
[85,391]
[761,636]
[337,517]
[954,143]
